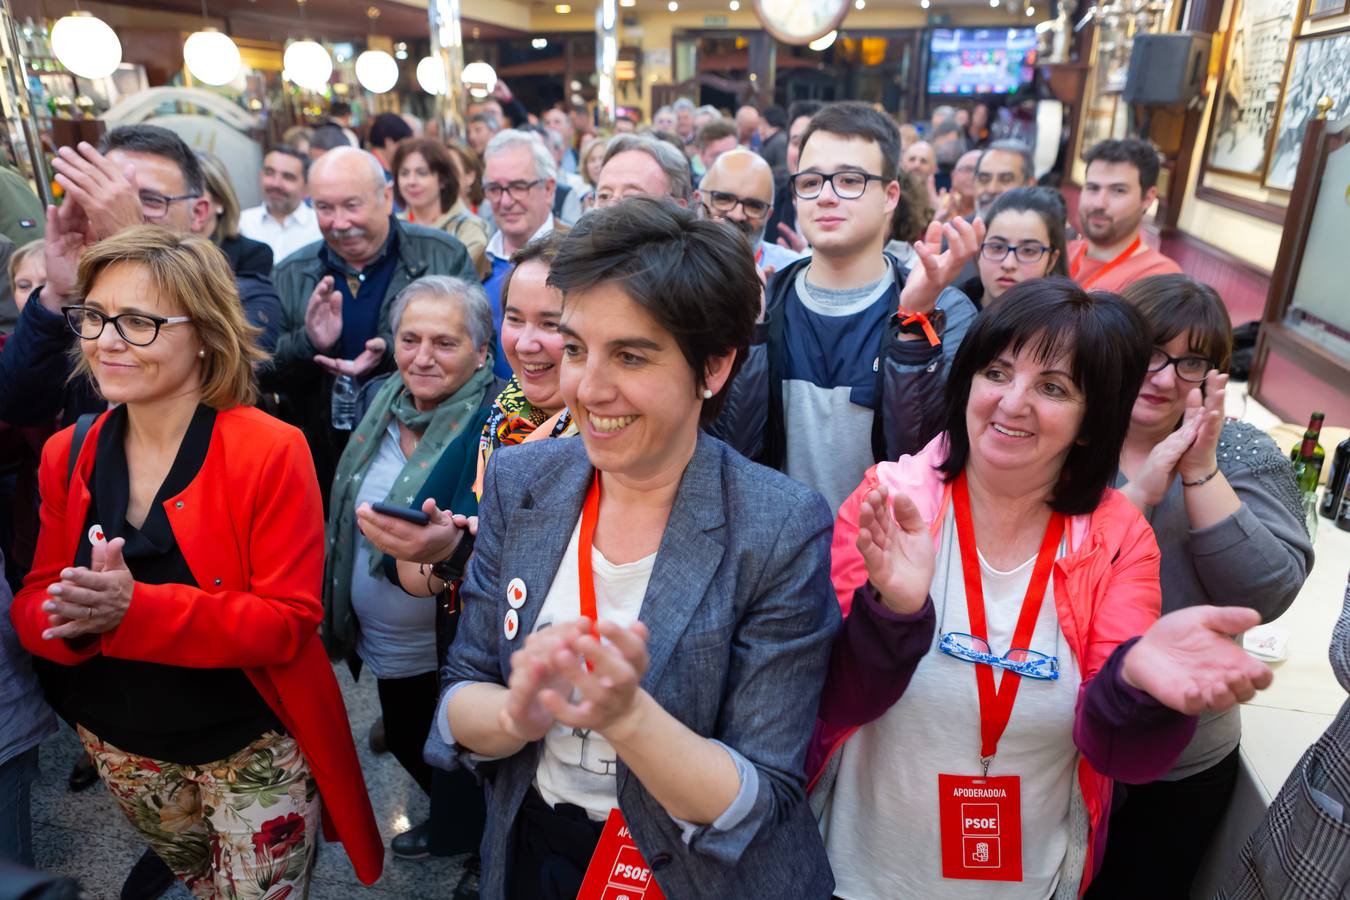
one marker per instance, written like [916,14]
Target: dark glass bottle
[1313,467]
[1337,481]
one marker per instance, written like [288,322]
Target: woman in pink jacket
[991,679]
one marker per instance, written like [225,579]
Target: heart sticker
[512,624]
[96,534]
[516,593]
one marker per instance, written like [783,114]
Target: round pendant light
[211,57]
[308,64]
[85,45]
[377,71]
[480,78]
[824,42]
[431,75]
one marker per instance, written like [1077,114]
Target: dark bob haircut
[1177,304]
[1109,345]
[1048,204]
[438,162]
[695,277]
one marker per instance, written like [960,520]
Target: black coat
[247,256]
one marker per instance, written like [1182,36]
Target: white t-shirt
[881,826]
[580,767]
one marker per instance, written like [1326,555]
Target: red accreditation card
[617,870]
[981,822]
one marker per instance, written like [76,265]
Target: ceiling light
[85,45]
[734,5]
[824,42]
[539,43]
[924,3]
[628,3]
[308,65]
[211,57]
[376,71]
[480,78]
[993,3]
[562,9]
[1031,11]
[673,6]
[431,75]
[860,4]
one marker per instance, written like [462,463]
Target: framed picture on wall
[1247,102]
[1321,9]
[1319,68]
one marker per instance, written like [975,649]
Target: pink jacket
[1106,592]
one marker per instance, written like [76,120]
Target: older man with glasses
[519,180]
[738,188]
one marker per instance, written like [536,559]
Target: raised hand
[1202,457]
[897,550]
[405,540]
[92,600]
[107,192]
[790,239]
[610,696]
[533,671]
[1188,661]
[323,315]
[938,268]
[1150,483]
[366,362]
[67,236]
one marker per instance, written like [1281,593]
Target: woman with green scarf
[419,433]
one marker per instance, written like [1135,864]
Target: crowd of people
[806,503]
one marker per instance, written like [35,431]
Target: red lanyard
[996,704]
[1077,264]
[759,255]
[590,514]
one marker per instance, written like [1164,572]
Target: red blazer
[250,526]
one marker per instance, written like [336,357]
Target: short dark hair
[438,161]
[1110,346]
[339,108]
[1048,204]
[156,141]
[1011,145]
[329,136]
[695,277]
[288,150]
[775,116]
[543,249]
[388,127]
[807,108]
[1140,154]
[854,119]
[1178,304]
[716,130]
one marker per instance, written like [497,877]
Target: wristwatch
[451,569]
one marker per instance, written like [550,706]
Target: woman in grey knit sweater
[1225,508]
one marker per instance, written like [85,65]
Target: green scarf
[439,428]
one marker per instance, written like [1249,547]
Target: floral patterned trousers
[242,828]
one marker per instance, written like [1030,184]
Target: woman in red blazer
[177,583]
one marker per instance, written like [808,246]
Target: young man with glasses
[1120,186]
[519,180]
[738,188]
[852,343]
[140,174]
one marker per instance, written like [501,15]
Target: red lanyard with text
[1077,265]
[996,704]
[590,514]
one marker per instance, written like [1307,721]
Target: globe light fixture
[211,57]
[431,75]
[824,42]
[308,64]
[376,71]
[85,45]
[479,78]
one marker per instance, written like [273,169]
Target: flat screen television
[972,62]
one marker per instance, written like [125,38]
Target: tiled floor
[85,836]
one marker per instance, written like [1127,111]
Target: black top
[247,256]
[172,713]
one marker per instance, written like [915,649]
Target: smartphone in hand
[415,516]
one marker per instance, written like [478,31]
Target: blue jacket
[35,365]
[742,618]
[25,717]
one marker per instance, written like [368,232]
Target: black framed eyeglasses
[723,202]
[518,190]
[1027,251]
[847,185]
[156,206]
[137,329]
[1189,368]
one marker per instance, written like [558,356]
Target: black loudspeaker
[1167,69]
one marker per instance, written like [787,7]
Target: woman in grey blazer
[691,709]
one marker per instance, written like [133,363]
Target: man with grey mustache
[336,293]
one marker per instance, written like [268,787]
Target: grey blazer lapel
[690,552]
[538,533]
